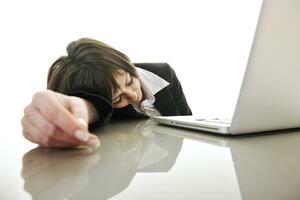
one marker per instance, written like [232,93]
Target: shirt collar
[150,82]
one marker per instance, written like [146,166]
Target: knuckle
[79,105]
[25,134]
[23,121]
[39,97]
[28,136]
[49,129]
[52,114]
[27,110]
[44,102]
[76,102]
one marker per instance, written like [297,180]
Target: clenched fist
[56,120]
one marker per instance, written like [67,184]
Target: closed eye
[129,79]
[117,100]
[128,82]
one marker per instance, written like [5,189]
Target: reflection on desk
[180,164]
[266,164]
[101,174]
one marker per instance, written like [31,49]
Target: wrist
[92,112]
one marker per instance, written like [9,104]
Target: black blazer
[169,101]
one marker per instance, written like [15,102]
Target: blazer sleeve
[178,94]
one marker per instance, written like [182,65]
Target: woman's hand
[56,120]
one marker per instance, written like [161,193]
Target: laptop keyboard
[216,120]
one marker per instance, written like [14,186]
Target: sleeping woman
[95,83]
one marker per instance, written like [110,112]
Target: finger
[30,132]
[59,138]
[41,131]
[93,141]
[58,135]
[34,135]
[47,129]
[50,137]
[55,112]
[59,144]
[78,109]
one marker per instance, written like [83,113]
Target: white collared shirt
[151,84]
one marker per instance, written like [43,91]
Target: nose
[132,95]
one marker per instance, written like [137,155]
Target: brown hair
[89,66]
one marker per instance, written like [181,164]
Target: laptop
[269,97]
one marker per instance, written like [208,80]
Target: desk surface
[141,160]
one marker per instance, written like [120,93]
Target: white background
[207,42]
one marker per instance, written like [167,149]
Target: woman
[95,83]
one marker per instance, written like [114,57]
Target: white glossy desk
[141,160]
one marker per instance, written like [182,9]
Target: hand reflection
[56,174]
[126,148]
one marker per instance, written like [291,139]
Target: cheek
[136,84]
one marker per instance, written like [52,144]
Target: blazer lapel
[165,104]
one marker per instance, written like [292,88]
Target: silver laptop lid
[269,98]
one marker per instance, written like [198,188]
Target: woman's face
[130,91]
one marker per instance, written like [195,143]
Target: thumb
[79,110]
